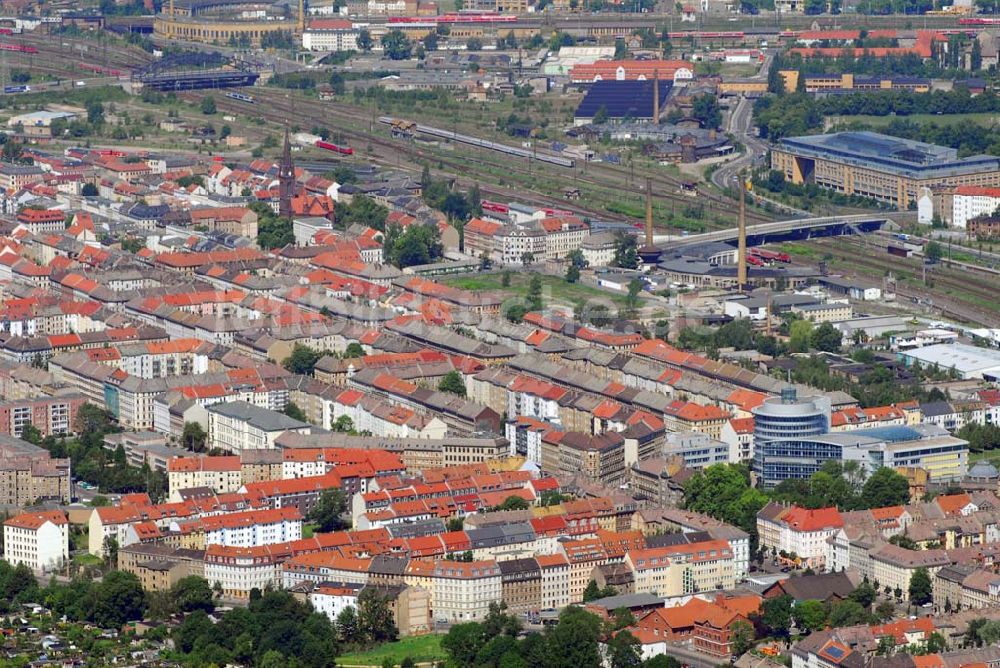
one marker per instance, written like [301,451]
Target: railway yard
[460,141]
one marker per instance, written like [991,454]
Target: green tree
[119,598]
[194,437]
[418,244]
[31,434]
[452,383]
[354,350]
[293,411]
[514,503]
[743,637]
[89,190]
[572,273]
[375,617]
[800,335]
[626,251]
[724,492]
[864,594]
[920,588]
[885,487]
[810,615]
[933,252]
[989,633]
[576,637]
[193,593]
[534,296]
[302,360]
[396,46]
[348,628]
[343,425]
[776,614]
[328,513]
[972,637]
[635,288]
[208,105]
[463,642]
[364,40]
[885,611]
[826,338]
[847,613]
[624,651]
[886,646]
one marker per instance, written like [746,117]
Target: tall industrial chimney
[649,253]
[301,26]
[649,211]
[656,97]
[741,253]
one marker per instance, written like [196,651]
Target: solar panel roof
[622,99]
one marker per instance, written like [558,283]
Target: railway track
[278,107]
[874,263]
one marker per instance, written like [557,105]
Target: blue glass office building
[785,437]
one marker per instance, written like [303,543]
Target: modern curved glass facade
[785,443]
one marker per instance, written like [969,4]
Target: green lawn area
[554,290]
[424,648]
[940,119]
[87,560]
[992,456]
[308,530]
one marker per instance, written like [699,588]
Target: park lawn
[985,118]
[87,560]
[425,648]
[992,456]
[554,289]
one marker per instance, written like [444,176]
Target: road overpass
[784,230]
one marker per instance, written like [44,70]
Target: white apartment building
[236,426]
[563,234]
[222,475]
[253,528]
[330,35]
[239,570]
[599,249]
[555,580]
[687,568]
[972,201]
[463,591]
[160,360]
[893,566]
[331,600]
[511,244]
[38,540]
[799,531]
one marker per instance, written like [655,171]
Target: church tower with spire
[286,180]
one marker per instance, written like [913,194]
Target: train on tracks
[769,256]
[20,48]
[99,69]
[406,129]
[242,97]
[329,146]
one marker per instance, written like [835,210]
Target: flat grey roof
[890,154]
[261,418]
[964,358]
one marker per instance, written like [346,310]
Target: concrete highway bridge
[784,230]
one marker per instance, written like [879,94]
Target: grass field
[87,560]
[939,119]
[992,456]
[554,290]
[419,648]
